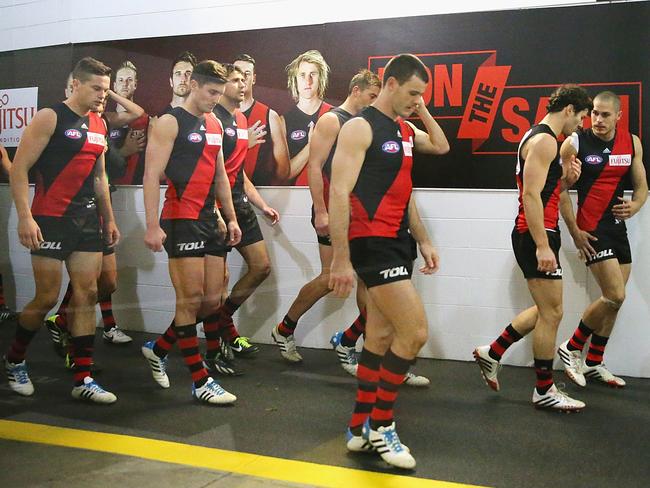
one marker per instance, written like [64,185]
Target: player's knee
[552,314]
[107,286]
[420,338]
[46,300]
[614,300]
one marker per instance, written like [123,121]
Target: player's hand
[234,233]
[256,133]
[431,259]
[421,107]
[546,262]
[271,214]
[322,223]
[573,171]
[154,238]
[581,240]
[341,277]
[134,142]
[625,209]
[111,234]
[29,234]
[222,229]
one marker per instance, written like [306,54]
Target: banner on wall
[17,108]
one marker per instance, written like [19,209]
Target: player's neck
[229,105]
[191,107]
[247,102]
[74,105]
[177,101]
[607,137]
[384,105]
[555,121]
[309,105]
[350,107]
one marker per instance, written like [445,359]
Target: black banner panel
[490,73]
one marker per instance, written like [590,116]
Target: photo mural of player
[490,73]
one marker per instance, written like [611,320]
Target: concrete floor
[458,429]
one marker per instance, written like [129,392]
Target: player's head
[605,114]
[307,76]
[364,87]
[405,80]
[182,68]
[235,88]
[207,84]
[573,102]
[91,80]
[126,80]
[246,63]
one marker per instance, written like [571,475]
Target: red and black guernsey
[343,117]
[379,200]
[605,164]
[259,158]
[191,169]
[65,169]
[135,162]
[235,147]
[550,193]
[298,124]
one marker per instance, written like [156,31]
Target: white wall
[478,290]
[34,23]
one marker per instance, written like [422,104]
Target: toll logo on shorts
[557,272]
[605,253]
[393,272]
[593,159]
[390,147]
[51,245]
[191,246]
[73,134]
[195,137]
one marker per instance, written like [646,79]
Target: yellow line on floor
[209,458]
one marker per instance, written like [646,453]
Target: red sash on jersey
[602,191]
[259,113]
[191,202]
[390,213]
[303,177]
[55,200]
[236,160]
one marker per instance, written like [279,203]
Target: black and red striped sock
[507,338]
[228,330]
[287,327]
[212,337]
[18,347]
[580,336]
[188,342]
[368,378]
[83,357]
[165,341]
[544,373]
[108,320]
[391,376]
[596,350]
[357,328]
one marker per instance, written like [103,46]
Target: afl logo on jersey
[115,134]
[73,134]
[390,147]
[230,132]
[593,159]
[194,137]
[296,135]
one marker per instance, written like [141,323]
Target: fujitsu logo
[393,272]
[191,246]
[54,246]
[620,160]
